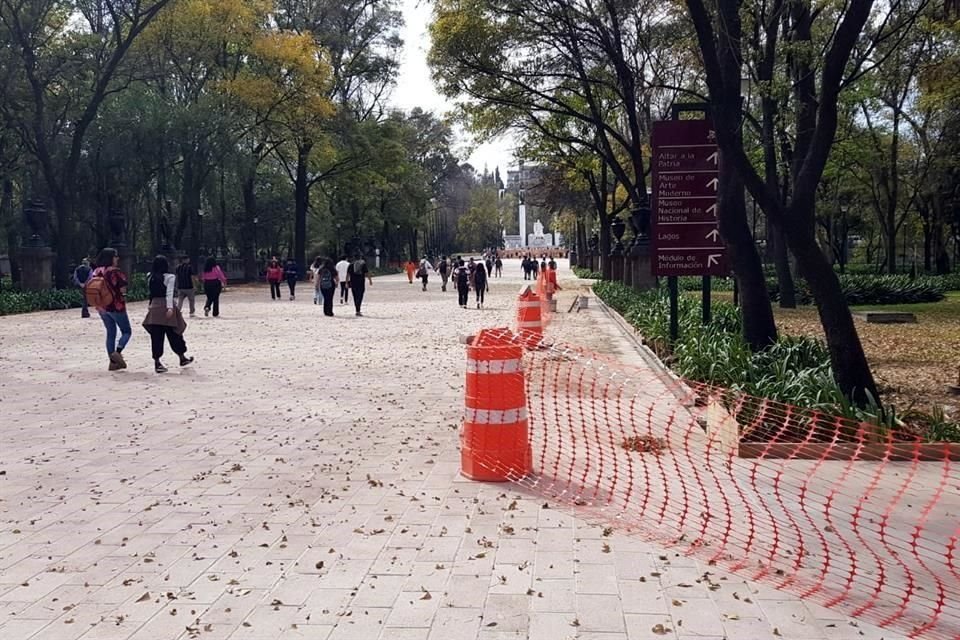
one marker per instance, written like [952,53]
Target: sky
[415,89]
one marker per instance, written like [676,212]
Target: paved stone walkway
[300,480]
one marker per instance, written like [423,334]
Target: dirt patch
[912,363]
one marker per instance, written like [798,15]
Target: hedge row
[859,289]
[15,301]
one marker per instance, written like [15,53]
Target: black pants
[157,333]
[213,289]
[481,289]
[463,294]
[327,300]
[358,297]
[274,290]
[344,292]
[292,283]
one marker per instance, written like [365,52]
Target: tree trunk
[301,206]
[891,239]
[850,367]
[606,268]
[781,260]
[13,228]
[249,245]
[759,327]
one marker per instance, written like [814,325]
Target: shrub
[795,370]
[15,301]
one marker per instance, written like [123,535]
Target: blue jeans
[114,320]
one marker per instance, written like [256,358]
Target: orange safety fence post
[529,317]
[495,439]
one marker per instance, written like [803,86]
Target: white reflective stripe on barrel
[529,323]
[485,416]
[493,366]
[528,305]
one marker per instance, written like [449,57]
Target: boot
[117,361]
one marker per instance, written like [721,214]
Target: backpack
[326,279]
[79,279]
[98,292]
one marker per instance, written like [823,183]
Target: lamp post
[844,239]
[200,214]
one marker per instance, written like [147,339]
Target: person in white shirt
[164,319]
[423,272]
[342,267]
[314,270]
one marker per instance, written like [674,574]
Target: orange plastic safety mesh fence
[860,520]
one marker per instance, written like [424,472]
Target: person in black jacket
[292,273]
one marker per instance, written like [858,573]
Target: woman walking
[498,265]
[163,318]
[325,283]
[292,273]
[214,280]
[315,270]
[461,277]
[480,283]
[114,312]
[423,271]
[274,277]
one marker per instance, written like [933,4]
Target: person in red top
[214,280]
[114,315]
[274,277]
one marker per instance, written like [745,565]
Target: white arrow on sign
[713,183]
[713,259]
[713,235]
[712,209]
[714,157]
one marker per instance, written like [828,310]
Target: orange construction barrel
[495,441]
[529,317]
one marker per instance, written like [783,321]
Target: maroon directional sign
[686,238]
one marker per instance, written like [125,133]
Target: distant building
[527,176]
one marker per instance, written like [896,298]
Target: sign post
[686,179]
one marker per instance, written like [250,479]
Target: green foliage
[587,274]
[14,301]
[795,370]
[859,289]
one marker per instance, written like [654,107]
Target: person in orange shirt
[411,269]
[552,284]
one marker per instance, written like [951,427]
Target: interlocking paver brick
[301,480]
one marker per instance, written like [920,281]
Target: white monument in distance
[540,239]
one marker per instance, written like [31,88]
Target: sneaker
[159,368]
[478,305]
[193,315]
[206,312]
[184,361]
[84,314]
